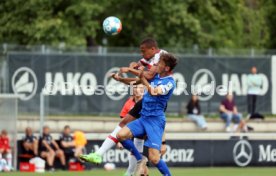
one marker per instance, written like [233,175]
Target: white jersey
[152,61]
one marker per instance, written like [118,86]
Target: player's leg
[155,131]
[133,129]
[4,166]
[9,157]
[49,156]
[78,151]
[108,143]
[60,154]
[154,157]
[35,147]
[139,144]
[112,140]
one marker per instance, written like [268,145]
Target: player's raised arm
[128,81]
[147,74]
[165,66]
[152,90]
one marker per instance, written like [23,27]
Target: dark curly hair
[169,59]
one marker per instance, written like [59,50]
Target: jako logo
[115,90]
[203,84]
[24,83]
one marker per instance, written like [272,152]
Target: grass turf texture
[175,172]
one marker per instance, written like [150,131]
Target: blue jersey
[155,105]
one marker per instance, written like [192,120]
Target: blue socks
[129,145]
[163,168]
[161,165]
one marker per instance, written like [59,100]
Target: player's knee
[120,136]
[60,152]
[154,157]
[51,153]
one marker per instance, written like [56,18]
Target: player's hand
[163,149]
[141,75]
[124,69]
[115,76]
[141,67]
[133,65]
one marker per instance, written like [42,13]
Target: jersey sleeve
[167,87]
[126,108]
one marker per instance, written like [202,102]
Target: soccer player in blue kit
[152,121]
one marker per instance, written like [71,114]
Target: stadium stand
[106,124]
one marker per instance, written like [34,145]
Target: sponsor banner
[80,84]
[181,153]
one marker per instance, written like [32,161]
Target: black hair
[149,43]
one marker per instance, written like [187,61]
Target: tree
[174,23]
[49,21]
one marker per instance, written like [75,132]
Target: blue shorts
[153,128]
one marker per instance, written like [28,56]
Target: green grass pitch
[257,171]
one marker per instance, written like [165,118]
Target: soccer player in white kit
[151,55]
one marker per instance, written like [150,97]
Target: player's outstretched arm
[128,81]
[147,74]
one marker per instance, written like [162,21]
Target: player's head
[4,133]
[66,129]
[148,48]
[46,130]
[28,131]
[166,63]
[138,90]
[254,70]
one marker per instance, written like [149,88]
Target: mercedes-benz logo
[114,90]
[203,84]
[242,153]
[24,83]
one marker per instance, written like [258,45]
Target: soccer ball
[112,25]
[109,166]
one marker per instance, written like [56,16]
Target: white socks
[109,142]
[115,131]
[131,164]
[9,160]
[139,144]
